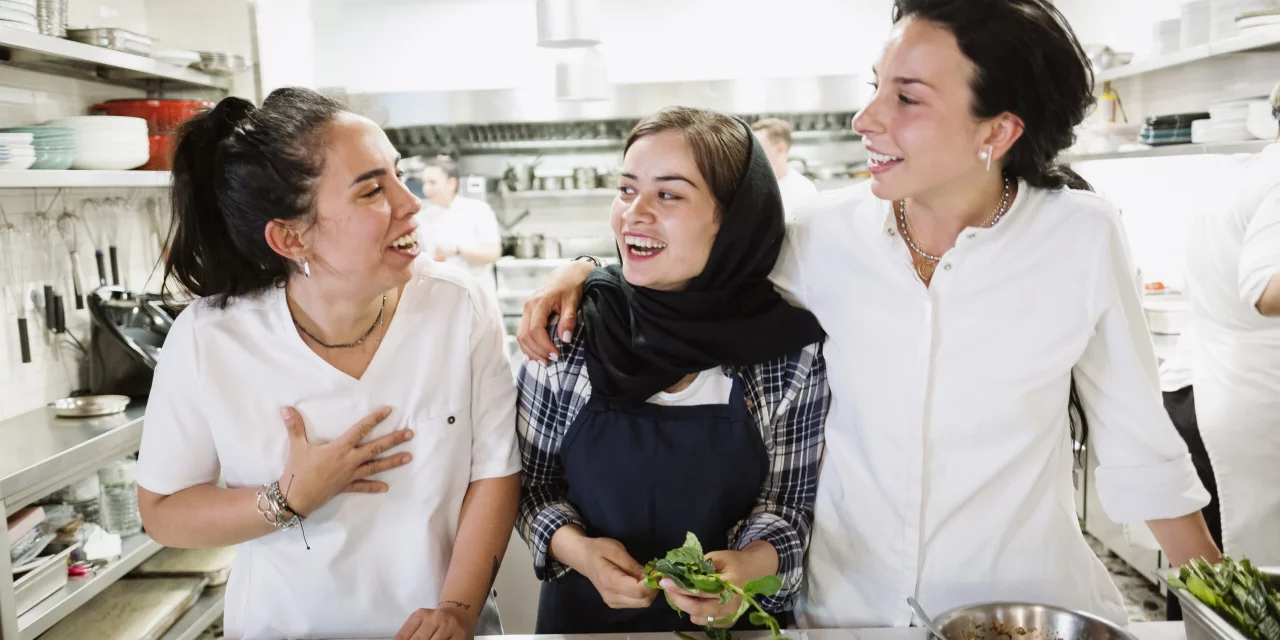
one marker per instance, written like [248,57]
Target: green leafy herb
[690,569]
[1237,591]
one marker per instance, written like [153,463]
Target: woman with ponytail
[979,303]
[357,402]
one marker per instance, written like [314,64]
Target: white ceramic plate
[13,15]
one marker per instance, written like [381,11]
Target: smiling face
[918,126]
[665,218]
[364,232]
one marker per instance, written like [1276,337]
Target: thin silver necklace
[376,323]
[996,215]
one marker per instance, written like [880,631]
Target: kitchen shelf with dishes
[1209,148]
[1264,39]
[82,179]
[59,56]
[41,454]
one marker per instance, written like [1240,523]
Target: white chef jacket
[374,559]
[948,468]
[1234,254]
[465,222]
[796,189]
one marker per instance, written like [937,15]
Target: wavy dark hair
[1028,62]
[236,168]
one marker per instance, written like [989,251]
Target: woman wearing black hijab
[692,399]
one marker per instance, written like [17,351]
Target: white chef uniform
[948,468]
[373,559]
[796,188]
[466,222]
[1234,254]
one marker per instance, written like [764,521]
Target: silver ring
[711,619]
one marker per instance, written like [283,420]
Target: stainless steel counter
[1143,630]
[41,453]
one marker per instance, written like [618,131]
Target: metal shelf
[65,57]
[565,193]
[541,145]
[40,453]
[1263,40]
[1210,148]
[136,549]
[200,617]
[73,179]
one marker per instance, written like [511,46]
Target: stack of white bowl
[108,142]
[1226,12]
[19,14]
[1228,121]
[19,151]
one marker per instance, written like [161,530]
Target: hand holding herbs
[689,568]
[1239,593]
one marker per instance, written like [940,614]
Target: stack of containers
[55,146]
[163,118]
[1226,12]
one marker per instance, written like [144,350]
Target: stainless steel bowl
[1023,621]
[90,406]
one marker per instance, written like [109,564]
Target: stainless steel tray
[43,581]
[1200,620]
[90,406]
[118,39]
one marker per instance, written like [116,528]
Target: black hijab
[640,341]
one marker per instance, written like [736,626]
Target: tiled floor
[1143,599]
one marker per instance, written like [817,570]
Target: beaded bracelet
[271,506]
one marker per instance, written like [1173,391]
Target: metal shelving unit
[74,59]
[553,195]
[72,179]
[1264,40]
[1210,148]
[39,455]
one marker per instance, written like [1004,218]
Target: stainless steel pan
[1024,621]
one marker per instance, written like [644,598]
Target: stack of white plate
[1228,121]
[19,14]
[19,151]
[1166,36]
[1227,12]
[108,142]
[1196,16]
[1253,22]
[176,57]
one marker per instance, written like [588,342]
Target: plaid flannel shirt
[789,399]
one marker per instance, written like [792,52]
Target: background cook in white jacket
[961,303]
[1233,281]
[460,231]
[300,240]
[775,137]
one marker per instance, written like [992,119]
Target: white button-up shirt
[949,456]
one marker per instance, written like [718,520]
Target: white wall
[437,45]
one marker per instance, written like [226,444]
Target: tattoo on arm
[453,603]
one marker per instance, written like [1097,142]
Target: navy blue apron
[644,475]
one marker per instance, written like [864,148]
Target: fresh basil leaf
[718,633]
[766,586]
[707,584]
[760,619]
[691,553]
[1200,589]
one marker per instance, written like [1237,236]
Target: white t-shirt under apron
[374,559]
[948,468]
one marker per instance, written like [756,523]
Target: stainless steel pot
[549,248]
[585,178]
[527,247]
[1024,621]
[90,406]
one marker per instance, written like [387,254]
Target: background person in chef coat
[461,231]
[1233,282]
[980,308]
[293,227]
[775,137]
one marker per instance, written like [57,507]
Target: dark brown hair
[237,168]
[777,130]
[721,145]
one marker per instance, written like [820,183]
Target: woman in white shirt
[293,227]
[966,292]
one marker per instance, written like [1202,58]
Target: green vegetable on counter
[1237,591]
[689,568]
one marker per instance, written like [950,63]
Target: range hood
[813,94]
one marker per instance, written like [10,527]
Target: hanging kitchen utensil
[111,219]
[11,246]
[68,228]
[95,231]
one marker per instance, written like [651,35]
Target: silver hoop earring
[306,267]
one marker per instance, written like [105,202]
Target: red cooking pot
[162,116]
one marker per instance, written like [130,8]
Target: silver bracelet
[273,508]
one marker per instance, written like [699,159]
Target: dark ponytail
[237,168]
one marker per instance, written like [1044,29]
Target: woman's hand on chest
[315,474]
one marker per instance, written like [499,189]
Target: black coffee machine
[126,334]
